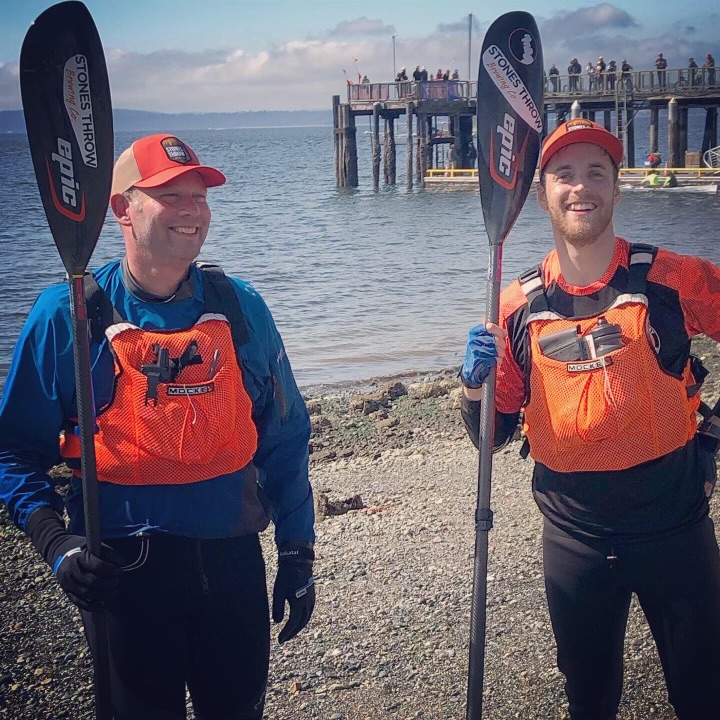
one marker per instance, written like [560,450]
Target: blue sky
[224,55]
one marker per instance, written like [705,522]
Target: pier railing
[410,90]
[642,83]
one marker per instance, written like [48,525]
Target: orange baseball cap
[157,159]
[580,131]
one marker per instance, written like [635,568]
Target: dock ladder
[711,158]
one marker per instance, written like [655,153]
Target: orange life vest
[609,411]
[180,412]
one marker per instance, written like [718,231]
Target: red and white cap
[157,159]
[580,131]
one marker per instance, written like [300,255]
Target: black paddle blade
[509,119]
[68,115]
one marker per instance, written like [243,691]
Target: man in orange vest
[201,440]
[593,345]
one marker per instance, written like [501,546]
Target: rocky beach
[395,480]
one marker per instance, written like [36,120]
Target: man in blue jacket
[201,439]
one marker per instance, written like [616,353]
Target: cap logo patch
[176,151]
[578,124]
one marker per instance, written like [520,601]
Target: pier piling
[389,165]
[682,133]
[710,133]
[409,150]
[336,137]
[654,118]
[673,139]
[630,140]
[376,145]
[349,168]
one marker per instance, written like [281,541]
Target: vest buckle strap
[166,369]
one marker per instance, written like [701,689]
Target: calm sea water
[361,283]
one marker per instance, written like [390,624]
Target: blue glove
[480,357]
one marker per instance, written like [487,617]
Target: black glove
[87,580]
[294,583]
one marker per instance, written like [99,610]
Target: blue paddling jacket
[39,403]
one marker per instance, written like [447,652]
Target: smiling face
[169,223]
[579,191]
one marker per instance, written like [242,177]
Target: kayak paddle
[68,114]
[509,129]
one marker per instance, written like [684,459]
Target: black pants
[677,582]
[189,613]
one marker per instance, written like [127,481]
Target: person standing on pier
[611,74]
[590,72]
[600,75]
[661,67]
[201,439]
[709,70]
[625,71]
[593,345]
[553,73]
[574,73]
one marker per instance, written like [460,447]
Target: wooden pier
[619,97]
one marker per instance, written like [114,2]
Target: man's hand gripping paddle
[509,128]
[68,114]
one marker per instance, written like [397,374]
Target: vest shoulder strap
[642,257]
[532,284]
[100,311]
[221,297]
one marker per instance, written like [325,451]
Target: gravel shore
[395,482]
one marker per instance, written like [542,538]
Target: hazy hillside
[13,121]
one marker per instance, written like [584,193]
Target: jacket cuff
[296,551]
[46,529]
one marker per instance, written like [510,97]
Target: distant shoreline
[13,121]
[214,129]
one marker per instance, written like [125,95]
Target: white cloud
[461,26]
[361,26]
[585,21]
